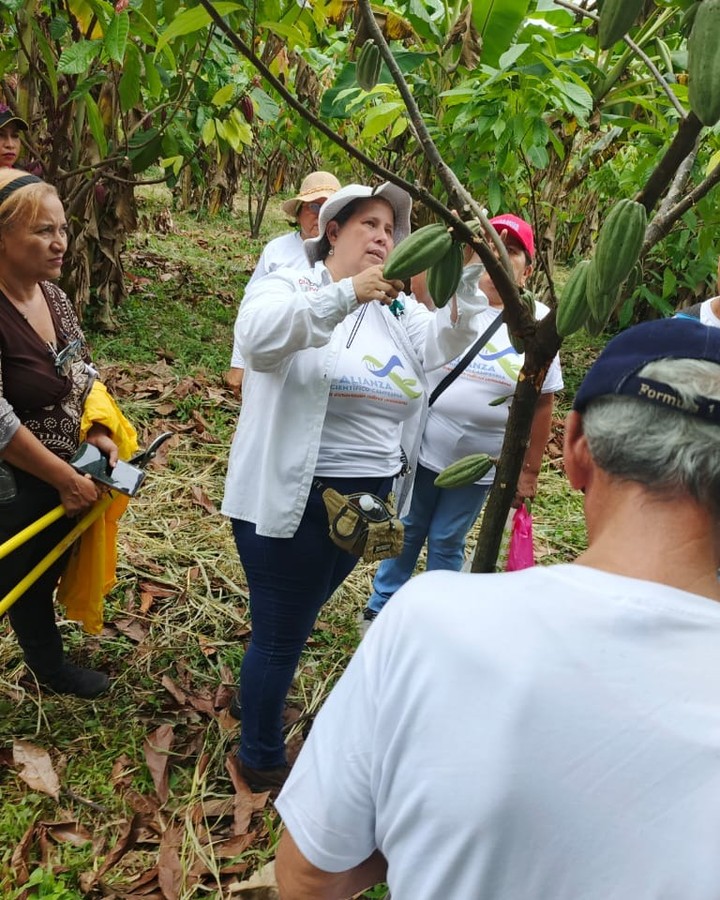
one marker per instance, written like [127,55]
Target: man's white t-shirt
[707,316]
[550,734]
[462,419]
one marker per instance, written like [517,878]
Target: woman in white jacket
[335,388]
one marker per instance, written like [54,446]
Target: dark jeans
[289,579]
[32,616]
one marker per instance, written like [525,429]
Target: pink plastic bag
[520,549]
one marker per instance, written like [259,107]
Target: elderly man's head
[650,410]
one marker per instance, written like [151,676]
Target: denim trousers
[289,580]
[443,516]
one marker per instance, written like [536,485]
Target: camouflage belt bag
[362,524]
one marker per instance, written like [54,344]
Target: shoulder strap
[467,359]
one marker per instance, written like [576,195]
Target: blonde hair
[24,203]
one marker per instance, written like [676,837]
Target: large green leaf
[76,59]
[94,120]
[129,87]
[497,22]
[116,36]
[190,21]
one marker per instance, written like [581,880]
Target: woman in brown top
[44,378]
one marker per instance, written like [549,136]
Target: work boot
[75,680]
[260,780]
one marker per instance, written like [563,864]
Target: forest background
[226,105]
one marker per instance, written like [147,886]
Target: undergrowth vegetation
[136,794]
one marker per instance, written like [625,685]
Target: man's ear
[577,458]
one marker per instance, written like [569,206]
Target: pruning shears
[140,460]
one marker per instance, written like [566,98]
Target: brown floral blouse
[33,391]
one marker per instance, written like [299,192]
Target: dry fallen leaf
[37,769]
[157,746]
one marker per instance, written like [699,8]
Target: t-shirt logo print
[381,371]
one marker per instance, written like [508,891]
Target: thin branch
[661,226]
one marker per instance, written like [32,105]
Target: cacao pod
[367,70]
[602,299]
[421,250]
[444,276]
[573,309]
[618,247]
[247,108]
[465,471]
[616,18]
[704,63]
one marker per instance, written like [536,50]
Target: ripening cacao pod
[704,63]
[618,248]
[465,471]
[367,70]
[247,108]
[421,250]
[444,276]
[616,18]
[573,309]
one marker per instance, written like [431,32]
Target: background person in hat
[45,379]
[462,421]
[10,128]
[551,732]
[335,383]
[288,250]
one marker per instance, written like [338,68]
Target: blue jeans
[289,579]
[443,516]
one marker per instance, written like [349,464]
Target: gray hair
[668,451]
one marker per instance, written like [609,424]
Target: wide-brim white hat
[399,199]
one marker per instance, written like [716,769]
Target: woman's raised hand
[370,285]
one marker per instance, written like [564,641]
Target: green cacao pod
[465,471]
[619,243]
[616,18]
[421,250]
[518,344]
[573,309]
[444,276]
[367,70]
[704,63]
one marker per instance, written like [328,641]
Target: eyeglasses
[66,357]
[314,207]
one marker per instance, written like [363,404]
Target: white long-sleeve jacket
[286,333]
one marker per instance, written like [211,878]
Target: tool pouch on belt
[363,524]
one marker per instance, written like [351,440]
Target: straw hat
[395,196]
[314,186]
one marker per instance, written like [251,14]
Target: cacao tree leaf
[116,36]
[77,58]
[380,117]
[129,86]
[208,132]
[189,21]
[152,79]
[94,120]
[224,95]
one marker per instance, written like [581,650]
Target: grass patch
[177,620]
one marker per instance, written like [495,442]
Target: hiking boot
[75,680]
[260,780]
[366,620]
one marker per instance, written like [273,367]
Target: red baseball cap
[519,227]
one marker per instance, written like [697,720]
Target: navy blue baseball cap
[614,373]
